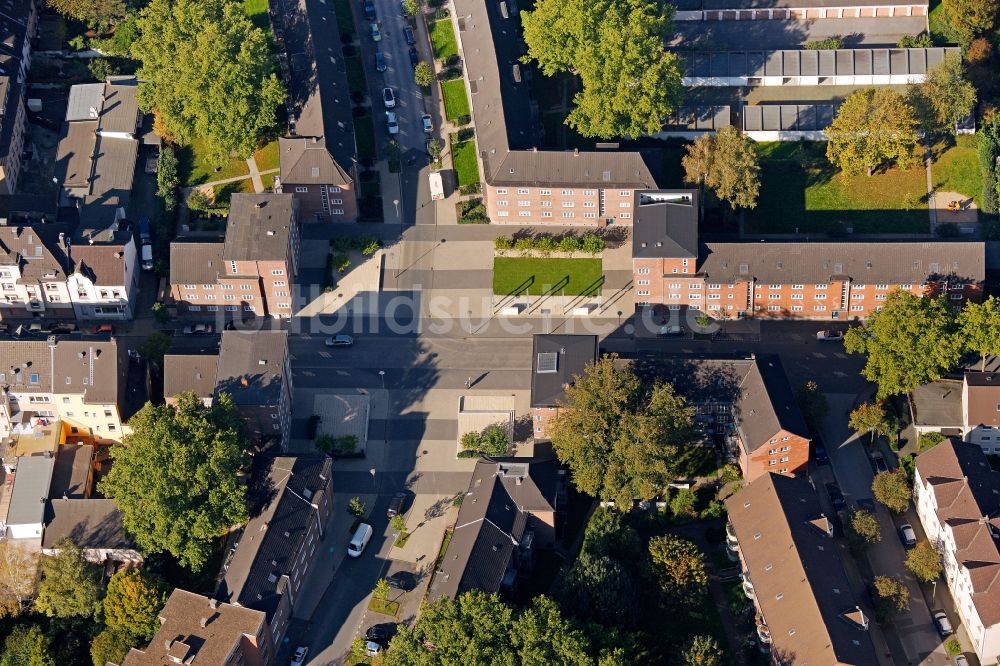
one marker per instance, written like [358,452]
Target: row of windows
[302,190]
[565,193]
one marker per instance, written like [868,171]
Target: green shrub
[921,41]
[340,263]
[929,440]
[503,243]
[830,43]
[593,244]
[953,647]
[569,244]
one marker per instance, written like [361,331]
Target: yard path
[258,183]
[931,207]
[185,191]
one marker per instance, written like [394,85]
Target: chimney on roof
[213,603]
[315,139]
[203,622]
[576,152]
[259,204]
[244,382]
[93,111]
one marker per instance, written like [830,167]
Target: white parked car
[908,535]
[829,335]
[390,123]
[942,623]
[388,98]
[300,656]
[427,123]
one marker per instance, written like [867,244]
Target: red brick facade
[785,453]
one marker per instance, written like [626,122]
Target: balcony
[747,585]
[763,637]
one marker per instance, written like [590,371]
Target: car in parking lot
[830,336]
[380,65]
[880,466]
[388,98]
[408,34]
[819,453]
[836,497]
[670,330]
[375,32]
[402,580]
[381,633]
[907,534]
[339,341]
[390,122]
[414,57]
[198,329]
[300,655]
[372,648]
[942,623]
[369,10]
[396,504]
[427,123]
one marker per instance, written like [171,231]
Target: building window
[301,190]
[194,308]
[278,271]
[798,286]
[568,215]
[956,297]
[524,213]
[642,283]
[774,286]
[694,285]
[502,202]
[336,202]
[627,216]
[643,292]
[589,193]
[881,286]
[503,213]
[523,203]
[625,204]
[820,297]
[501,190]
[797,297]
[232,308]
[773,297]
[546,193]
[546,204]
[642,271]
[334,189]
[820,308]
[212,308]
[244,287]
[906,286]
[857,308]
[589,204]
[338,211]
[774,308]
[820,286]
[567,193]
[567,204]
[859,286]
[522,190]
[625,193]
[226,287]
[546,213]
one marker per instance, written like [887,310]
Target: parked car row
[388,94]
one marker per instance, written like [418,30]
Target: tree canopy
[679,566]
[892,489]
[865,525]
[925,562]
[620,441]
[872,127]
[207,72]
[110,645]
[872,417]
[702,651]
[630,82]
[909,342]
[970,18]
[949,93]
[70,586]
[980,327]
[93,13]
[891,597]
[18,569]
[727,163]
[26,645]
[176,477]
[133,602]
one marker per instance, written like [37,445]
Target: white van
[361,537]
[147,257]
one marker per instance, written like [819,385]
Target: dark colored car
[380,65]
[381,633]
[879,462]
[836,497]
[369,10]
[408,34]
[402,580]
[396,504]
[414,57]
[819,453]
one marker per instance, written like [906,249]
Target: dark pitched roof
[982,397]
[89,523]
[259,227]
[283,503]
[104,265]
[35,250]
[666,224]
[251,366]
[306,160]
[801,587]
[72,472]
[190,372]
[492,522]
[555,361]
[195,263]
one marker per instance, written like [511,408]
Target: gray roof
[259,227]
[83,98]
[507,130]
[35,251]
[284,499]
[666,224]
[195,263]
[937,404]
[252,366]
[96,367]
[113,167]
[782,34]
[863,262]
[74,153]
[307,161]
[492,521]
[556,361]
[190,372]
[72,471]
[841,62]
[31,488]
[788,117]
[699,118]
[22,361]
[89,523]
[120,107]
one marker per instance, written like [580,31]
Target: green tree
[928,440]
[198,201]
[70,586]
[208,73]
[133,602]
[872,418]
[26,645]
[679,566]
[924,562]
[948,91]
[100,14]
[592,244]
[599,588]
[909,342]
[541,635]
[503,243]
[979,324]
[970,18]
[423,75]
[682,504]
[155,346]
[893,490]
[411,7]
[891,597]
[493,440]
[381,590]
[630,82]
[111,645]
[727,163]
[872,127]
[356,507]
[176,478]
[475,628]
[812,404]
[865,525]
[702,651]
[620,441]
[167,178]
[18,569]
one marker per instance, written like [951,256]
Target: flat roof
[31,489]
[556,360]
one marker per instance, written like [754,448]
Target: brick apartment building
[18,27]
[523,184]
[556,360]
[251,273]
[324,190]
[785,280]
[805,610]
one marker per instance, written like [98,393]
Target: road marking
[325,354]
[839,373]
[819,354]
[840,355]
[343,373]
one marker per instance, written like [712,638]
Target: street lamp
[395,202]
[381,374]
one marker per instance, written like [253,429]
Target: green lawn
[535,277]
[938,22]
[463,159]
[456,102]
[364,135]
[443,40]
[801,191]
[256,10]
[196,167]
[267,157]
[957,170]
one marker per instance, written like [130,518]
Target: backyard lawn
[443,40]
[256,10]
[463,159]
[456,102]
[196,167]
[535,277]
[267,157]
[957,169]
[801,192]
